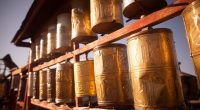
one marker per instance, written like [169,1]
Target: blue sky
[12,13]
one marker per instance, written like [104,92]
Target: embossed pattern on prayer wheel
[112,78]
[64,83]
[43,85]
[106,15]
[36,85]
[84,78]
[51,85]
[81,25]
[191,18]
[154,71]
[63,34]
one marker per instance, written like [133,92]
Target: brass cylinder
[51,38]
[106,15]
[84,78]
[64,83]
[63,34]
[134,9]
[15,82]
[153,69]
[30,84]
[81,26]
[43,84]
[51,85]
[191,18]
[112,77]
[37,49]
[22,87]
[43,45]
[36,85]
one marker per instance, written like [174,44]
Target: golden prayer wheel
[84,78]
[112,78]
[43,85]
[64,83]
[191,18]
[36,85]
[22,87]
[137,8]
[51,38]
[15,82]
[81,26]
[154,71]
[37,49]
[106,15]
[43,45]
[30,84]
[51,85]
[63,34]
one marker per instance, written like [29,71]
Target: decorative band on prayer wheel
[51,85]
[191,18]
[106,15]
[112,78]
[153,69]
[64,83]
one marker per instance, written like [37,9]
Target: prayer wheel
[112,78]
[32,52]
[51,38]
[154,71]
[63,34]
[64,83]
[37,49]
[36,85]
[84,79]
[15,82]
[81,26]
[191,18]
[134,9]
[43,85]
[30,84]
[22,87]
[106,15]
[51,85]
[43,45]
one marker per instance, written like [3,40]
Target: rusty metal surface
[154,71]
[51,85]
[106,15]
[36,85]
[112,78]
[84,78]
[51,38]
[63,34]
[191,18]
[42,84]
[64,83]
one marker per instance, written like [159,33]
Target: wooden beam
[150,20]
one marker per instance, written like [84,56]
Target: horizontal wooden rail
[150,20]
